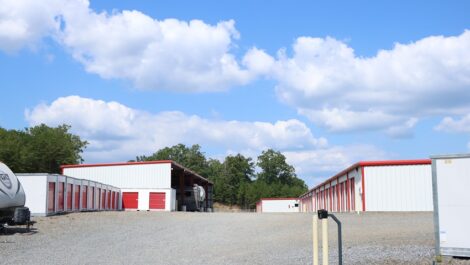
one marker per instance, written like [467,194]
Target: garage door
[130,200]
[84,197]
[76,195]
[61,197]
[69,197]
[51,198]
[157,200]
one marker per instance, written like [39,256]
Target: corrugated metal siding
[154,176]
[453,204]
[279,206]
[398,188]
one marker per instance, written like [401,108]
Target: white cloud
[341,91]
[449,124]
[332,159]
[117,132]
[24,23]
[169,54]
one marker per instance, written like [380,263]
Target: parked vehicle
[12,200]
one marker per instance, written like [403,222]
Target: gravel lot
[215,238]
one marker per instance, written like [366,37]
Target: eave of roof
[173,163]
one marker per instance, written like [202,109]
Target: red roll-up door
[61,196]
[69,197]
[92,198]
[130,200]
[84,197]
[157,200]
[51,198]
[108,202]
[112,199]
[103,199]
[76,194]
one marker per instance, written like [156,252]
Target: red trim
[116,164]
[338,195]
[372,164]
[363,190]
[348,193]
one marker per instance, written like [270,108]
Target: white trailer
[451,197]
[278,205]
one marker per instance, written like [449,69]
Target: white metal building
[49,194]
[451,185]
[277,205]
[396,185]
[146,186]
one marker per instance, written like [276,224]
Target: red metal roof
[372,164]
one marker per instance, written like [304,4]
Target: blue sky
[325,83]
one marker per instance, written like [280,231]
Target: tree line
[238,180]
[40,148]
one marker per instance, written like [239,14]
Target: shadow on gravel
[17,230]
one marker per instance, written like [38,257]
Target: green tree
[237,172]
[190,157]
[274,168]
[40,148]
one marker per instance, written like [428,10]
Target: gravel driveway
[216,238]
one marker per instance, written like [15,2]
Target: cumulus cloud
[24,23]
[341,91]
[117,132]
[169,54]
[449,124]
[314,162]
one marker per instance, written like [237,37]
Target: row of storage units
[150,185]
[49,194]
[397,185]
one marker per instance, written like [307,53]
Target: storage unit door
[130,200]
[108,202]
[51,198]
[113,194]
[157,200]
[103,199]
[77,198]
[69,197]
[84,197]
[61,196]
[92,198]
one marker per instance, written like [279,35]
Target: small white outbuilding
[277,205]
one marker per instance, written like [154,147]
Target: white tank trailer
[12,200]
[194,198]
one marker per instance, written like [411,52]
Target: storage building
[396,185]
[451,185]
[49,194]
[277,205]
[150,185]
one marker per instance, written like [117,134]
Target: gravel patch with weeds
[216,238]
